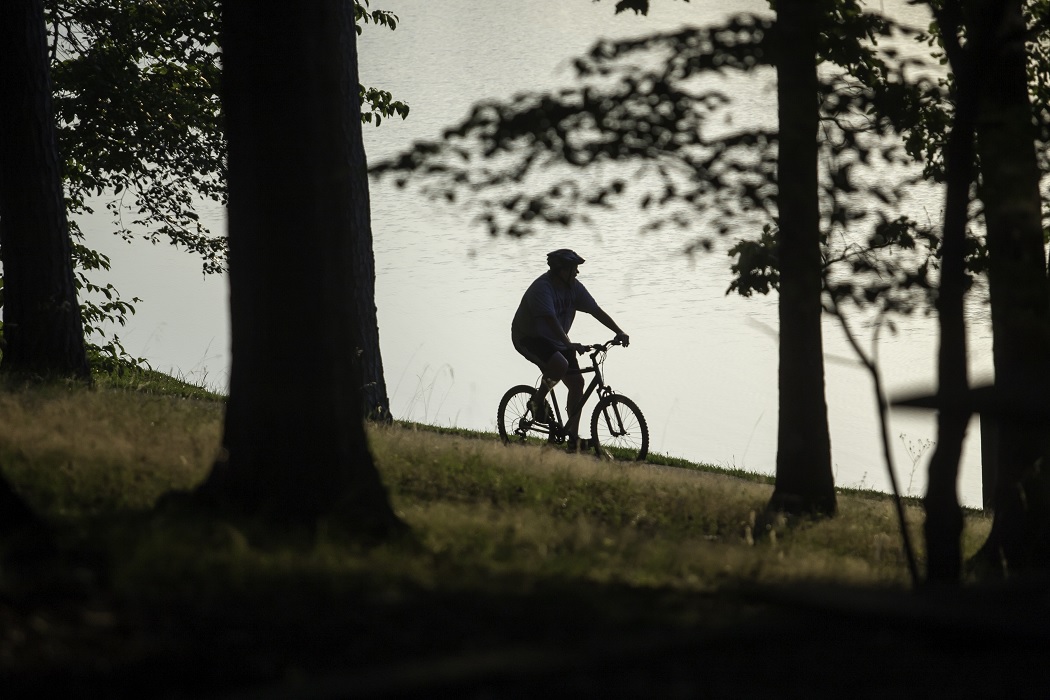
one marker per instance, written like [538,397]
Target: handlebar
[600,347]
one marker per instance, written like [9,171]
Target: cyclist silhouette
[540,332]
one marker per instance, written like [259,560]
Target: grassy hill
[529,570]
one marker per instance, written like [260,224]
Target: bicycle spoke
[620,429]
[515,421]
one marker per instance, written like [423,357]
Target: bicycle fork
[612,417]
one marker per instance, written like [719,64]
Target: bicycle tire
[514,418]
[619,430]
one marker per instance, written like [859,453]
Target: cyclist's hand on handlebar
[622,339]
[579,348]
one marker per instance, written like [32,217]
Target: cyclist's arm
[556,330]
[606,320]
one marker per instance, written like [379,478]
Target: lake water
[702,365]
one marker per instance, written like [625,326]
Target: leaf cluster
[137,101]
[139,117]
[649,126]
[381,104]
[139,122]
[363,15]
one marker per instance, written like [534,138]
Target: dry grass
[74,451]
[530,510]
[526,559]
[480,510]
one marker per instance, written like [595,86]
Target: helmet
[563,257]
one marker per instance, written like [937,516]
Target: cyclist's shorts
[539,350]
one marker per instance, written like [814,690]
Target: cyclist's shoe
[539,409]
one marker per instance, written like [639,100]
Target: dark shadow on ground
[303,640]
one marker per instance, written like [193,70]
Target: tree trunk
[804,480]
[365,349]
[15,514]
[43,332]
[943,524]
[295,446]
[1017,278]
[374,400]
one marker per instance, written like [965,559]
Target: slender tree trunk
[295,447]
[804,480]
[1018,284]
[943,525]
[42,331]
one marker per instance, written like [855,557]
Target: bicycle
[618,428]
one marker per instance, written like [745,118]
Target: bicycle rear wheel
[515,421]
[619,429]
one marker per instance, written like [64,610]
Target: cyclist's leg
[574,383]
[545,355]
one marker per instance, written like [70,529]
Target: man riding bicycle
[540,332]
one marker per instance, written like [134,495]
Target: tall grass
[76,451]
[97,460]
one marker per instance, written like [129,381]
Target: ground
[66,638]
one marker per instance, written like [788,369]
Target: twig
[870,363]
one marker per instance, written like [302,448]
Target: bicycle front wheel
[619,429]
[515,421]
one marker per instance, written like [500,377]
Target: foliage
[136,100]
[653,128]
[639,7]
[363,15]
[927,138]
[377,104]
[136,95]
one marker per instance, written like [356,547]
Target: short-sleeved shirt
[548,297]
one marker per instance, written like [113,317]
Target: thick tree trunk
[294,435]
[1017,278]
[365,349]
[374,400]
[43,333]
[804,480]
[15,514]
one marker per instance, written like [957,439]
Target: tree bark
[804,480]
[42,331]
[15,513]
[1017,279]
[295,446]
[365,349]
[943,524]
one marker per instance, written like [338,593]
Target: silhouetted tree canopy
[650,126]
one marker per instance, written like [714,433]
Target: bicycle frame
[597,382]
[617,428]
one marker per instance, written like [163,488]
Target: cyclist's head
[562,258]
